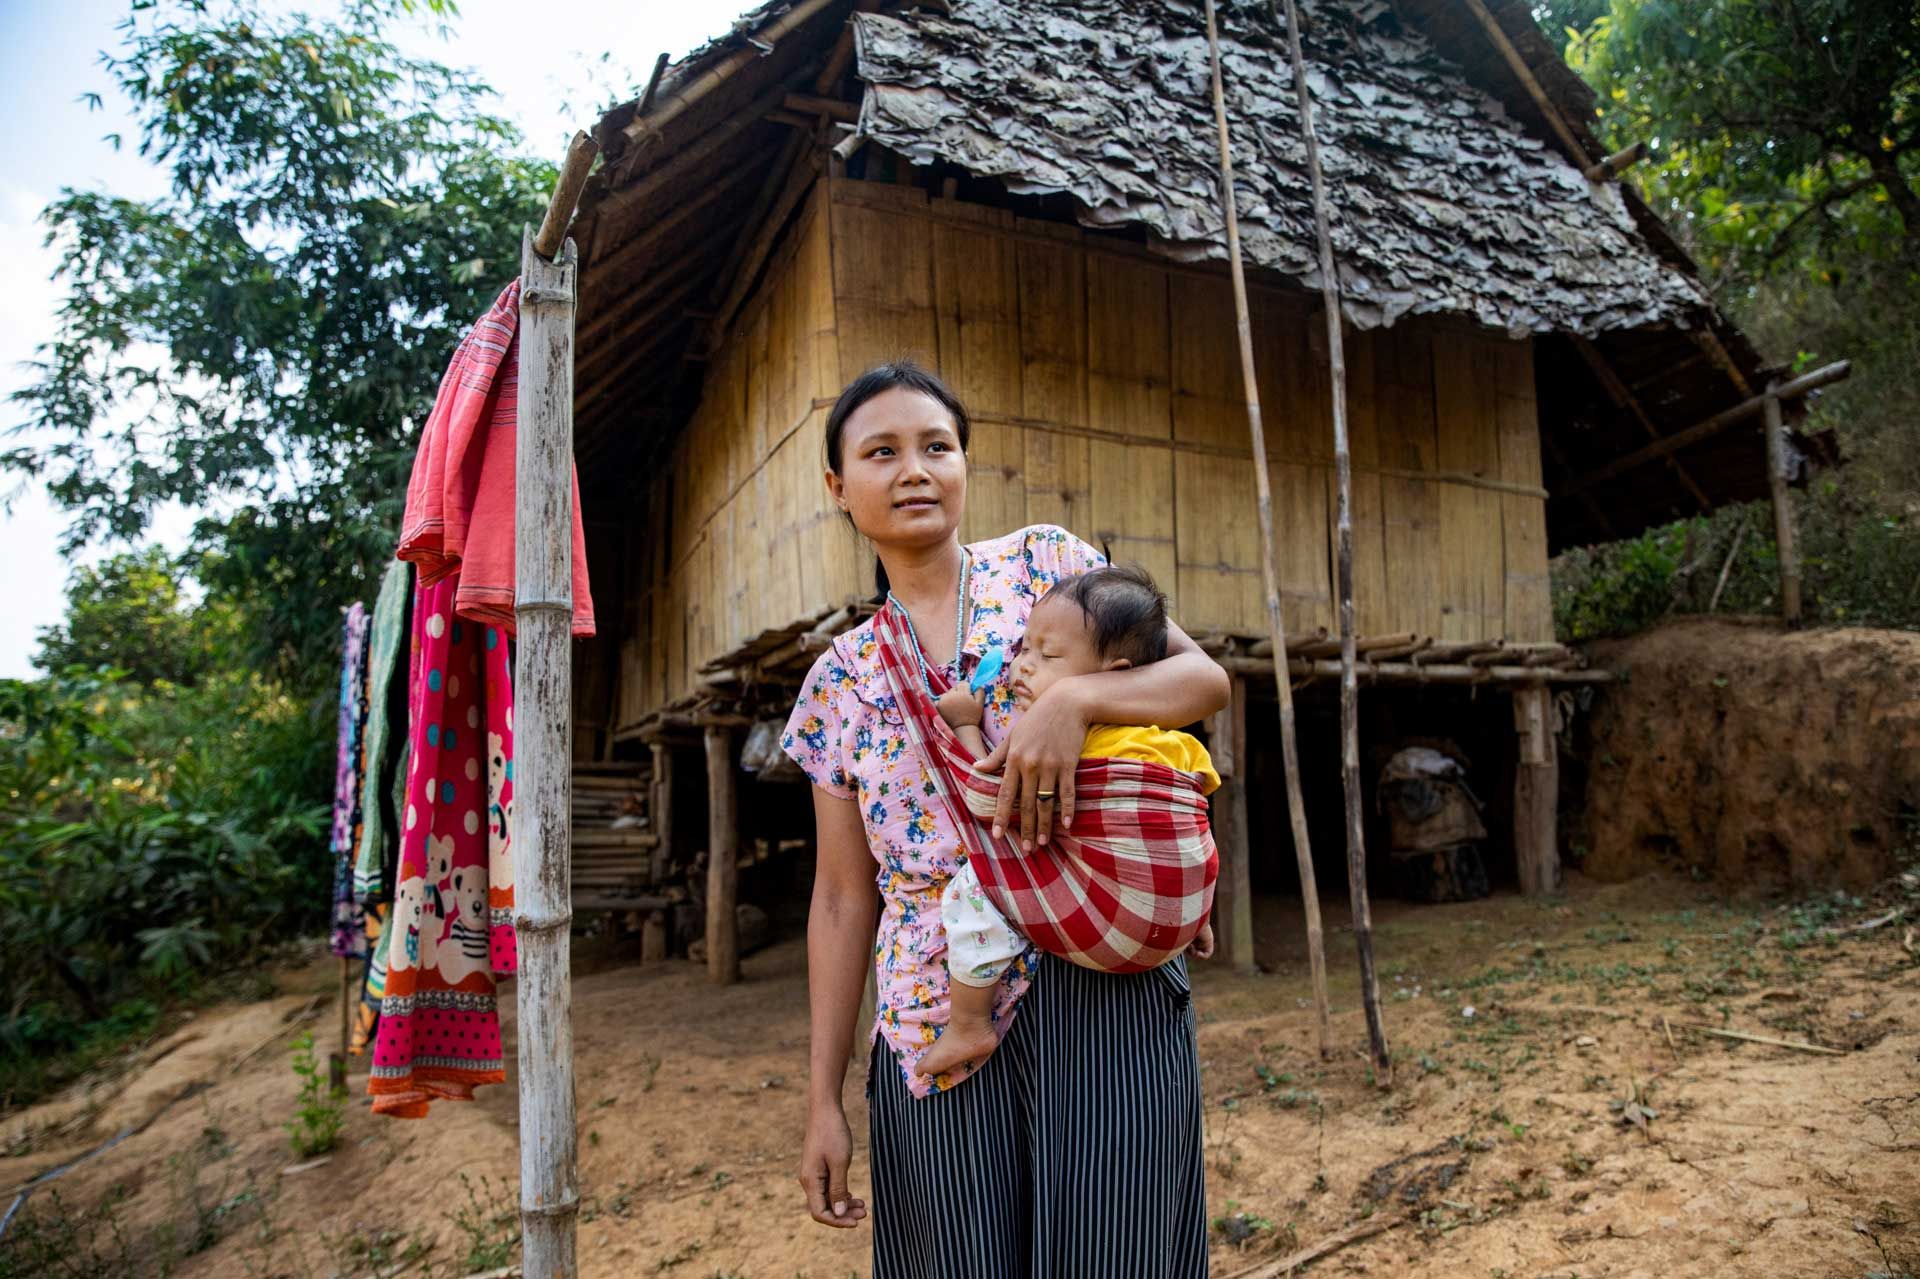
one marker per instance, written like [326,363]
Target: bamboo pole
[566,193]
[1343,526]
[1549,111]
[1269,575]
[1776,428]
[543,612]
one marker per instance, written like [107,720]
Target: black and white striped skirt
[1074,1154]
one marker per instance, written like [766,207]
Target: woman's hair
[1126,610]
[896,374]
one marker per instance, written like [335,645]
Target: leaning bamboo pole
[1270,578]
[1343,554]
[543,733]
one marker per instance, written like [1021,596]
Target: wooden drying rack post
[543,616]
[1263,486]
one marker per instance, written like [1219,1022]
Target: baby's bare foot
[961,1042]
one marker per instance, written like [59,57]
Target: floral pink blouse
[847,736]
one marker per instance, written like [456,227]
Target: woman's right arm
[840,928]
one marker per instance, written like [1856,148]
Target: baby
[1108,619]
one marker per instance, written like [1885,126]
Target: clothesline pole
[1263,485]
[1343,555]
[543,774]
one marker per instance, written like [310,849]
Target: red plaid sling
[1124,891]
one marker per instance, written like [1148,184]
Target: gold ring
[1044,796]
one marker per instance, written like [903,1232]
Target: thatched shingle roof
[1444,204]
[1454,194]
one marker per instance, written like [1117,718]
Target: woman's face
[902,476]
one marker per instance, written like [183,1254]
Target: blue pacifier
[989,669]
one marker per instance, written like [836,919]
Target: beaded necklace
[961,605]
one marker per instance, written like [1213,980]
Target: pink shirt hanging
[460,501]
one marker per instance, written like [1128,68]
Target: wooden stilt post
[1343,529]
[543,732]
[723,859]
[337,1062]
[1233,891]
[1270,579]
[1783,535]
[661,807]
[1536,793]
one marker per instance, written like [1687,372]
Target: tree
[264,340]
[1785,127]
[128,613]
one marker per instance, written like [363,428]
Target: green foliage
[265,339]
[489,1224]
[1784,127]
[1859,566]
[321,1111]
[147,833]
[128,613]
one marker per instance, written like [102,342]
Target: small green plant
[489,1222]
[321,1112]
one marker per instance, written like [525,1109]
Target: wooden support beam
[1415,673]
[1627,401]
[653,83]
[1617,163]
[723,859]
[1233,889]
[796,180]
[1524,73]
[815,105]
[1783,534]
[1719,422]
[543,767]
[1536,793]
[1269,574]
[660,810]
[1710,344]
[1343,573]
[645,130]
[1594,509]
[609,271]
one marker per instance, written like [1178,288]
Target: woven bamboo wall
[1105,389]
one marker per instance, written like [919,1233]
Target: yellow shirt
[1155,745]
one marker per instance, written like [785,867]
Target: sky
[550,82]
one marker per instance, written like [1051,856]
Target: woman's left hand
[1039,755]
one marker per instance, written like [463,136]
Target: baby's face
[1059,644]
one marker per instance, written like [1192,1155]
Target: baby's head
[1104,620]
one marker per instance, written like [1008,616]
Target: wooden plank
[1523,520]
[1217,548]
[1233,889]
[996,481]
[1466,380]
[1053,329]
[1130,509]
[1536,847]
[1209,406]
[977,305]
[1057,478]
[1303,522]
[817,307]
[1290,357]
[882,288]
[1372,601]
[723,852]
[1129,348]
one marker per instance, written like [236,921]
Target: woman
[1075,1151]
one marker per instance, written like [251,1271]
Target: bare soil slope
[1504,1148]
[1767,759]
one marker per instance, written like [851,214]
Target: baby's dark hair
[1126,610]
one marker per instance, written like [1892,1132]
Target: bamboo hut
[1023,198]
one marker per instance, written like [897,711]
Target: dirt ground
[1797,764]
[1541,1121]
